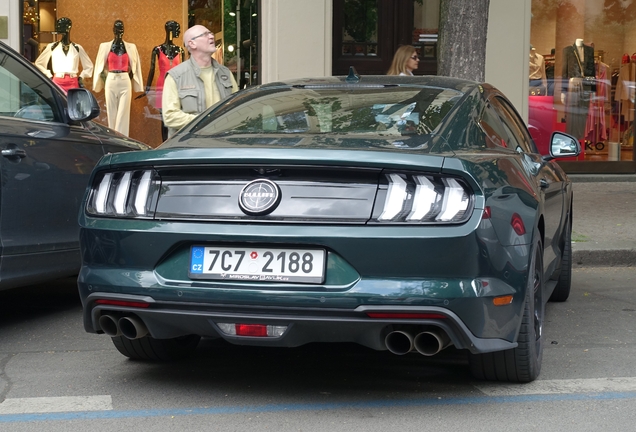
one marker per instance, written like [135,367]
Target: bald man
[196,84]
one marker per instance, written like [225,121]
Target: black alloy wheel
[523,363]
[562,289]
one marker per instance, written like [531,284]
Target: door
[549,182]
[366,34]
[44,167]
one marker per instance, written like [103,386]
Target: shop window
[366,34]
[582,79]
[235,27]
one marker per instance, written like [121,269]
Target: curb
[604,258]
[602,178]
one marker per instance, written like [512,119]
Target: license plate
[257,264]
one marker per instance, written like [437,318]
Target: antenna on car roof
[353,76]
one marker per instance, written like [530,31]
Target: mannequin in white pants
[118,72]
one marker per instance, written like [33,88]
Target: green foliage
[361,19]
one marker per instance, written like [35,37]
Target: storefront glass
[149,25]
[582,79]
[425,33]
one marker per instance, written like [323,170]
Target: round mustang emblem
[259,197]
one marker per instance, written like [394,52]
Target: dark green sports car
[403,214]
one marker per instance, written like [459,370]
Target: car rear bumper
[169,320]
[455,269]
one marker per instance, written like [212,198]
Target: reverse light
[124,194]
[252,330]
[424,198]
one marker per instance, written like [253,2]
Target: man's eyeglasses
[415,57]
[206,34]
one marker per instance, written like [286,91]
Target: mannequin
[118,72]
[169,56]
[578,84]
[537,76]
[60,60]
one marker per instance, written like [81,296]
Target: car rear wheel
[151,349]
[562,290]
[521,364]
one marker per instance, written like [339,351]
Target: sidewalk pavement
[604,227]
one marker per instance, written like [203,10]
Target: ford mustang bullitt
[406,214]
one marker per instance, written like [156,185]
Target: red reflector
[486,214]
[122,303]
[396,315]
[517,224]
[256,330]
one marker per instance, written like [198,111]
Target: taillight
[405,315]
[423,198]
[517,224]
[124,194]
[123,303]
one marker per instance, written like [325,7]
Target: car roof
[461,85]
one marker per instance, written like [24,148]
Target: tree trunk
[462,39]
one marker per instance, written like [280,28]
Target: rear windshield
[380,111]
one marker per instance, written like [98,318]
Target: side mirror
[81,105]
[563,145]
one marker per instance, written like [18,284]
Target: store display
[60,60]
[595,128]
[578,84]
[538,81]
[118,73]
[168,55]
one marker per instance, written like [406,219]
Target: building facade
[565,64]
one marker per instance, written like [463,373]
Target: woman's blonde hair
[402,55]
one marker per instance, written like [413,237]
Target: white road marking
[56,404]
[590,385]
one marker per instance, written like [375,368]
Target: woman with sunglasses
[405,61]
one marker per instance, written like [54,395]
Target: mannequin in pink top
[118,72]
[169,55]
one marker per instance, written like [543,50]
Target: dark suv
[49,148]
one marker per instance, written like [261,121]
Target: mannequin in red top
[118,72]
[169,55]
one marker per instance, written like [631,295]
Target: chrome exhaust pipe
[431,342]
[132,327]
[108,324]
[399,342]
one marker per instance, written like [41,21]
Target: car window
[25,94]
[515,126]
[367,111]
[491,124]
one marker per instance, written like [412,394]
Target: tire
[562,289]
[523,363]
[151,349]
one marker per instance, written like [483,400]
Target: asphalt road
[56,377]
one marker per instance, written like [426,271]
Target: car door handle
[14,152]
[543,183]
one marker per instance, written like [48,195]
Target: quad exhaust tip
[427,343]
[130,327]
